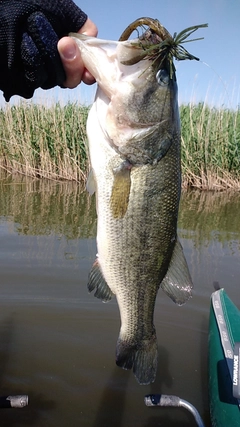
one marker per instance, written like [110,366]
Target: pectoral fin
[91,183]
[97,282]
[177,283]
[121,190]
[163,149]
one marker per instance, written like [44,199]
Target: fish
[134,136]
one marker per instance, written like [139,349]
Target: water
[57,342]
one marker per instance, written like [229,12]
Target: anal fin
[91,183]
[97,282]
[177,283]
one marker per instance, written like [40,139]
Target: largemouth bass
[133,130]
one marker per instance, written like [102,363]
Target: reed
[44,142]
[210,147]
[51,142]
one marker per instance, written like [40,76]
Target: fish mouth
[108,59]
[104,59]
[155,44]
[111,62]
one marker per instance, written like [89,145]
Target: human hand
[29,33]
[71,58]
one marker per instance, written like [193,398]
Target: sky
[215,79]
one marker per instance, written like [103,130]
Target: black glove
[29,32]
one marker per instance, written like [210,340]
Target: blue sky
[217,83]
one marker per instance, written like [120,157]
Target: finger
[87,77]
[71,58]
[72,62]
[90,29]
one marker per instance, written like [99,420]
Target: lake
[57,342]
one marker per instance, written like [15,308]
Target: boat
[223,367]
[224,360]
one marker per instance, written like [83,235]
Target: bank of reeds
[51,142]
[210,147]
[48,142]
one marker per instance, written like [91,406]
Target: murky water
[57,342]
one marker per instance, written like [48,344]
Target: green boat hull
[224,408]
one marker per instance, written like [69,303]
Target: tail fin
[142,357]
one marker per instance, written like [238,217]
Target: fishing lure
[157,44]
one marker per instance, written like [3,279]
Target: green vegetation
[39,141]
[51,142]
[210,147]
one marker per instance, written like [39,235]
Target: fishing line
[221,80]
[226,92]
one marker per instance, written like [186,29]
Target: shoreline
[51,143]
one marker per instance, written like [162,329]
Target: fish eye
[162,77]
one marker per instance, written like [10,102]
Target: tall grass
[51,142]
[47,142]
[210,147]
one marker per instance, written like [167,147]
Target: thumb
[71,57]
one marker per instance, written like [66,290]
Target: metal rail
[174,401]
[18,401]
